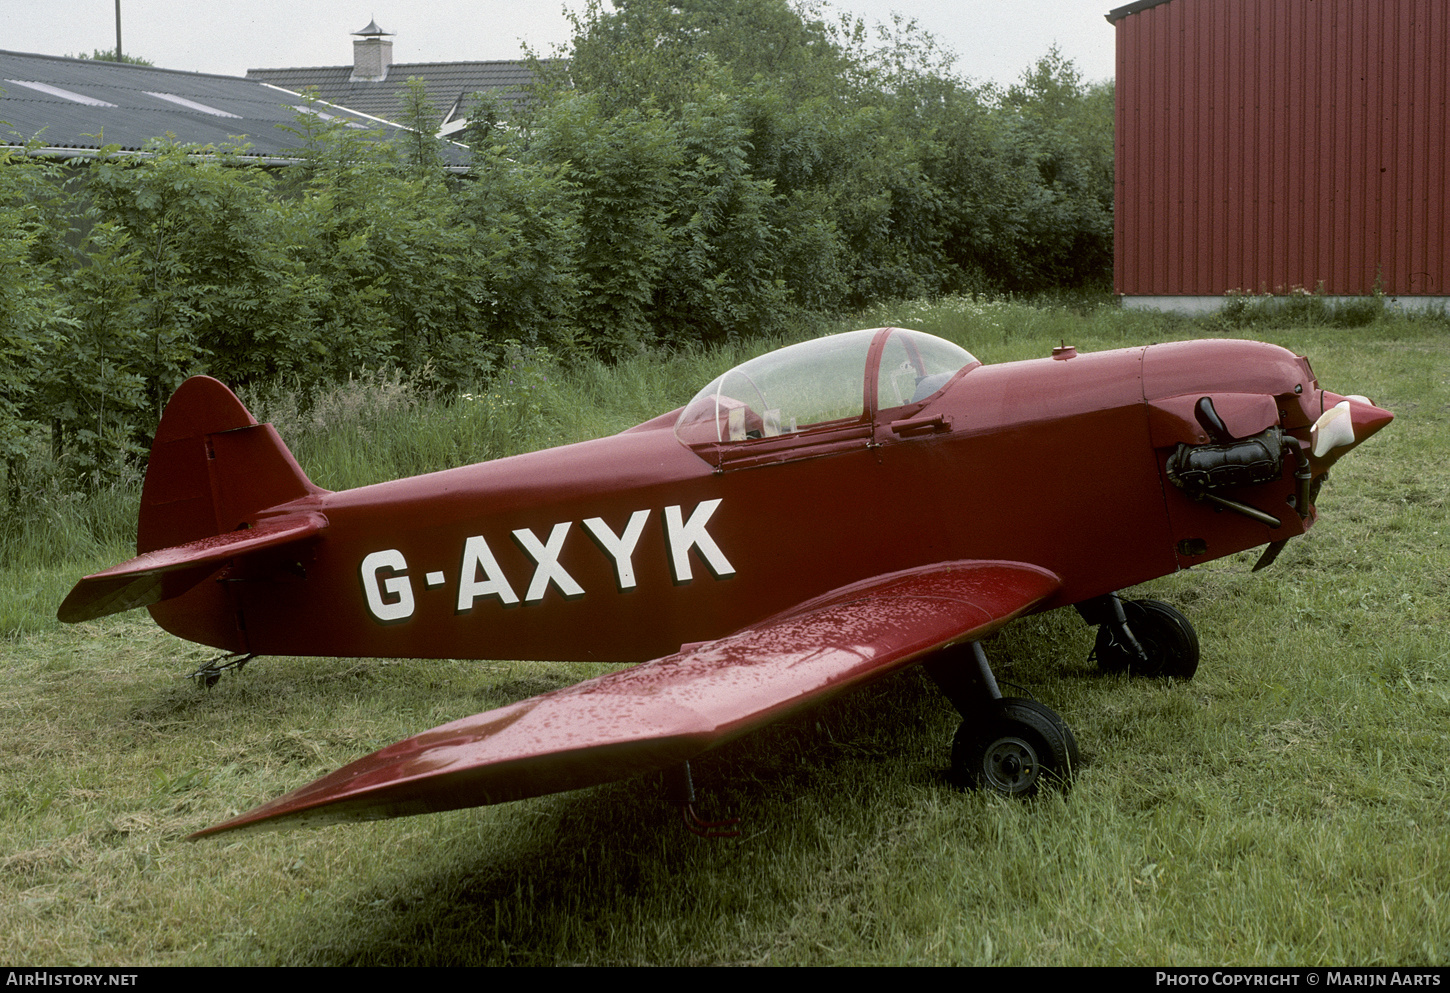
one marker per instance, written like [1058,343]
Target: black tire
[1022,745]
[1165,634]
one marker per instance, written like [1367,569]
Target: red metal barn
[1275,146]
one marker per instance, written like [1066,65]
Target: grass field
[1288,806]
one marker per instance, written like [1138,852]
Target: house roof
[79,104]
[450,85]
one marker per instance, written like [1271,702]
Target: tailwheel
[1168,640]
[211,673]
[1020,745]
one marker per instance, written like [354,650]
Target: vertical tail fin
[213,472]
[212,466]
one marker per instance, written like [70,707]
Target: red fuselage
[624,548]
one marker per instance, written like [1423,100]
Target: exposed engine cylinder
[1259,459]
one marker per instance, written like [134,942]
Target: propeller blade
[1335,427]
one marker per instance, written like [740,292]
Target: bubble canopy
[833,382]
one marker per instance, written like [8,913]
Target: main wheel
[1021,745]
[1165,634]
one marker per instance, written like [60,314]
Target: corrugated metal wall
[1264,145]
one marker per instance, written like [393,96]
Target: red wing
[661,713]
[167,572]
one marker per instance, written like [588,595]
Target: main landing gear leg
[1141,637]
[1007,744]
[680,790]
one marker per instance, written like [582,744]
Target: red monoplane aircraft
[815,518]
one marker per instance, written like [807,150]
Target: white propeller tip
[1335,427]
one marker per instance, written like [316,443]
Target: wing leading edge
[661,713]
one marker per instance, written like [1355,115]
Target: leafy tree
[421,153]
[380,256]
[1060,133]
[165,205]
[622,169]
[825,155]
[720,279]
[224,287]
[30,308]
[697,170]
[680,235]
[656,52]
[109,55]
[91,385]
[523,225]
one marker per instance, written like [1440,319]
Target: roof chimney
[372,53]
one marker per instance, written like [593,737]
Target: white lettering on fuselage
[620,547]
[388,589]
[546,558]
[476,555]
[392,599]
[692,534]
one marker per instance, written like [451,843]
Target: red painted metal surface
[763,572]
[666,712]
[170,572]
[1268,145]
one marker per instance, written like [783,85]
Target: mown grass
[1285,807]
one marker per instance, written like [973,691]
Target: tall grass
[1286,807]
[381,425]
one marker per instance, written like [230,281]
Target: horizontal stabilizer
[168,572]
[661,713]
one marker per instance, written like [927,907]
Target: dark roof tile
[448,83]
[129,105]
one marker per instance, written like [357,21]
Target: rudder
[214,477]
[212,466]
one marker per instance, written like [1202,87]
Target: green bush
[696,173]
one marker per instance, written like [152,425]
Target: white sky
[996,40]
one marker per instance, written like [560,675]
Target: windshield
[818,383]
